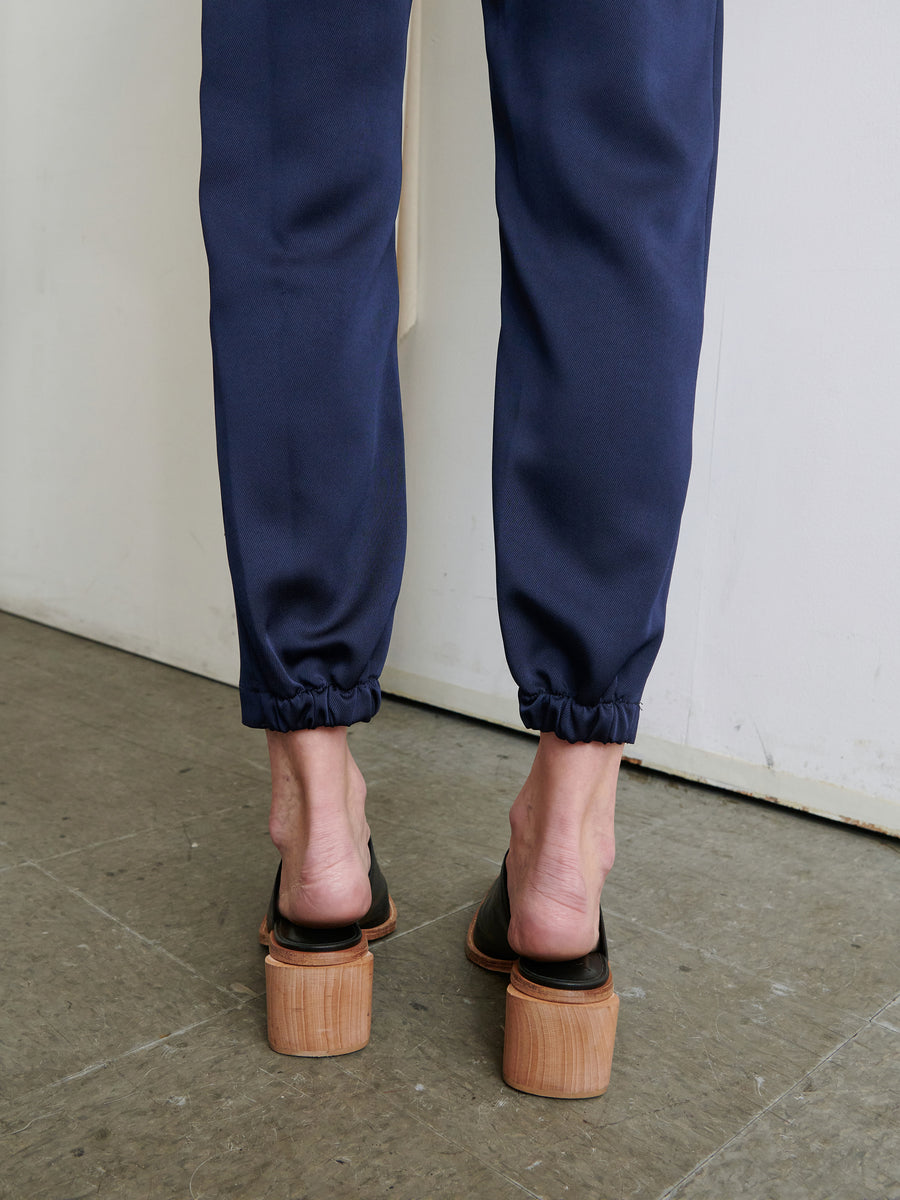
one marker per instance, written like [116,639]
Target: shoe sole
[371,935]
[502,966]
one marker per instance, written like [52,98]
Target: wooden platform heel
[319,1002]
[560,1016]
[319,981]
[558,1041]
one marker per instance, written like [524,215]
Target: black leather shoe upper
[340,937]
[490,937]
[380,908]
[492,921]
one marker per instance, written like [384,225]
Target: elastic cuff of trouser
[608,721]
[311,708]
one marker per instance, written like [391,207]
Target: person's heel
[319,1002]
[558,1040]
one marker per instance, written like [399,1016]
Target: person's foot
[318,823]
[561,848]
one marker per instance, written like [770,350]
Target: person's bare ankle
[318,824]
[562,847]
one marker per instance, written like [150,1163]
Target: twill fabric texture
[606,121]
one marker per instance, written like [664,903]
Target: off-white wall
[779,675]
[109,511]
[785,658]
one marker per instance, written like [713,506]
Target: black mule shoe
[560,1016]
[319,980]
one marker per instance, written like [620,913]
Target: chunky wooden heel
[558,1042]
[319,1002]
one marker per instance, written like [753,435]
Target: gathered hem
[311,708]
[607,721]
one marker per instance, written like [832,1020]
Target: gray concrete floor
[755,951]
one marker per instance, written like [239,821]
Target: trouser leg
[301,106]
[606,124]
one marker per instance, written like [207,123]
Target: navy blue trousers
[606,123]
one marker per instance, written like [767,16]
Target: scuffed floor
[755,950]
